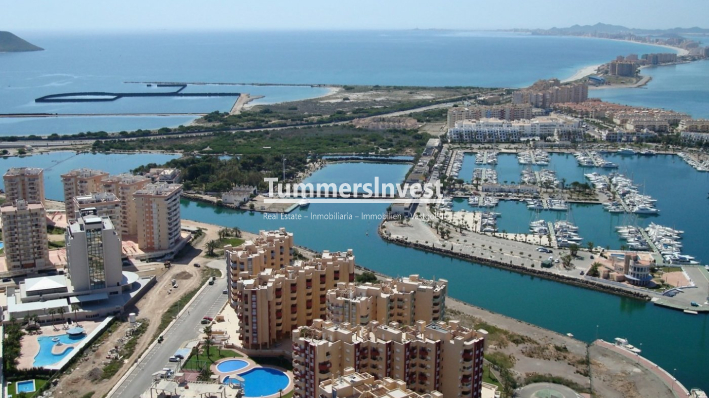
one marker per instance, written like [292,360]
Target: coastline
[583,72]
[331,90]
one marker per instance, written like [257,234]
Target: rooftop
[17,171]
[159,189]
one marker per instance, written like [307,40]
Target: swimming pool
[231,365]
[24,386]
[45,357]
[262,381]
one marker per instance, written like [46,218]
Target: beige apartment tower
[80,182]
[439,356]
[124,186]
[158,214]
[276,301]
[24,232]
[402,300]
[269,250]
[104,204]
[26,183]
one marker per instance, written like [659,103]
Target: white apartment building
[497,130]
[24,233]
[93,249]
[26,183]
[505,112]
[80,182]
[104,204]
[124,187]
[158,215]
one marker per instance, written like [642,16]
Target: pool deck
[30,343]
[251,365]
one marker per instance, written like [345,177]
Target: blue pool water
[231,365]
[262,381]
[45,357]
[25,386]
[1,245]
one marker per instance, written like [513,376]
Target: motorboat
[626,151]
[644,209]
[303,203]
[623,343]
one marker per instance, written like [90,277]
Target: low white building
[238,195]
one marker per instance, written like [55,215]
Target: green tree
[211,245]
[366,277]
[574,249]
[594,270]
[566,260]
[208,338]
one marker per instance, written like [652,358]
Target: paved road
[187,327]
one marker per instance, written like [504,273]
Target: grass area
[56,244]
[488,377]
[199,362]
[38,384]
[547,378]
[231,241]
[500,359]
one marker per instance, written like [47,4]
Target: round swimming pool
[231,365]
[262,381]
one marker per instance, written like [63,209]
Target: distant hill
[616,29]
[12,43]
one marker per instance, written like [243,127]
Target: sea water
[124,62]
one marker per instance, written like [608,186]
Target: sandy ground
[583,72]
[151,306]
[676,278]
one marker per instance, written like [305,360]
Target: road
[188,327]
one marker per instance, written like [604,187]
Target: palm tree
[237,232]
[208,338]
[51,312]
[74,309]
[61,312]
[211,245]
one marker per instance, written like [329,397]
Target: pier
[103,96]
[552,233]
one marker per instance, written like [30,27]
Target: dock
[552,233]
[687,308]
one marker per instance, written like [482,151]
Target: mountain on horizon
[11,43]
[615,29]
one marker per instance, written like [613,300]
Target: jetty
[104,96]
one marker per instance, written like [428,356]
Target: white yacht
[626,151]
[304,203]
[623,343]
[645,209]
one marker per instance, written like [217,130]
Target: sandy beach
[583,72]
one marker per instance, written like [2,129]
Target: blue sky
[71,15]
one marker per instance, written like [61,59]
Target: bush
[366,277]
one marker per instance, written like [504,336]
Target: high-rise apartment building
[80,182]
[443,357]
[124,187]
[26,183]
[24,232]
[93,249]
[271,249]
[277,300]
[402,300]
[158,214]
[544,93]
[104,204]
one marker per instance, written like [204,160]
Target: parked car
[225,291]
[197,265]
[174,359]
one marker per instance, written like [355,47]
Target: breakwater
[518,268]
[104,96]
